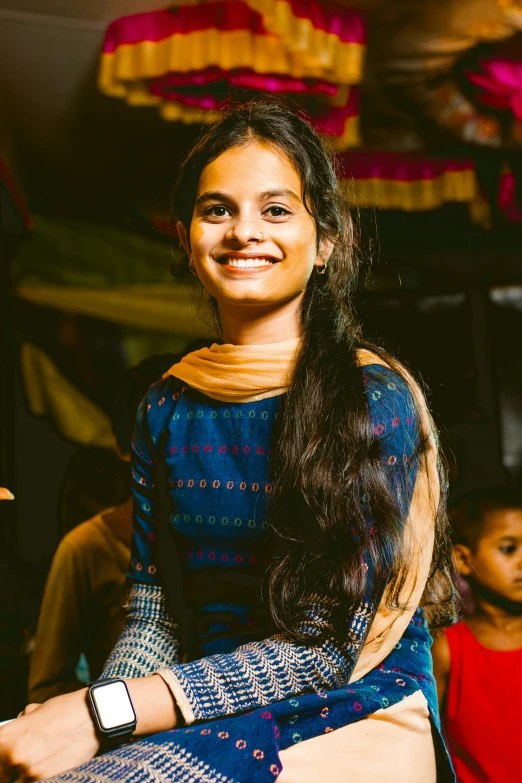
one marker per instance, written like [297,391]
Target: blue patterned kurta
[217,459]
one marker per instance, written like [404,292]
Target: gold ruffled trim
[123,72]
[413,196]
[342,61]
[349,138]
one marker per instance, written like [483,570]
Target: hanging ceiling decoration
[408,182]
[451,74]
[494,81]
[192,61]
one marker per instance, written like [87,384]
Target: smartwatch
[112,712]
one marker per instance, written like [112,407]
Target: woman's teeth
[246,263]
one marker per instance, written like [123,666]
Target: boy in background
[478,661]
[82,608]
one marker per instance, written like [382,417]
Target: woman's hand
[58,735]
[5,494]
[48,739]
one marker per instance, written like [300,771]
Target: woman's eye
[276,212]
[217,211]
[508,549]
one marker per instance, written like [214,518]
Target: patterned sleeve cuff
[220,685]
[182,702]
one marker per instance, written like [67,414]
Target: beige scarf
[239,373]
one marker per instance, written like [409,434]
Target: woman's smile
[247,264]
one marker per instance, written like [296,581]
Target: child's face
[251,239]
[496,562]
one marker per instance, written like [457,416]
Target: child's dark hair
[468,514]
[133,386]
[324,466]
[130,391]
[94,479]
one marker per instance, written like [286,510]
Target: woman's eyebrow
[214,195]
[278,193]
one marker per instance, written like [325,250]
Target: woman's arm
[276,668]
[150,637]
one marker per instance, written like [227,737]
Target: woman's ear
[183,237]
[462,556]
[324,251]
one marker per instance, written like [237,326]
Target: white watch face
[113,705]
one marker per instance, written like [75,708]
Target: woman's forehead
[251,168]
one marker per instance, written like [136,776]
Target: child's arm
[441,666]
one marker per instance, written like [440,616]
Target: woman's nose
[245,231]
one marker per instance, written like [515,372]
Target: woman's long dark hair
[325,465]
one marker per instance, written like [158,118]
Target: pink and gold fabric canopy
[408,182]
[187,60]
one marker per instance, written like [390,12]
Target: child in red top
[478,662]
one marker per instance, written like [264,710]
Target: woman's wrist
[154,705]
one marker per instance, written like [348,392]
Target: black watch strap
[114,741]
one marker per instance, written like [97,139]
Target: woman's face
[251,240]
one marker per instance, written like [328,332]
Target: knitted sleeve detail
[149,639]
[261,673]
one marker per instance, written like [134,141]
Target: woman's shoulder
[161,398]
[389,397]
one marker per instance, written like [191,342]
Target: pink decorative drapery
[191,61]
[409,182]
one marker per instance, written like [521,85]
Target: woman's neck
[252,325]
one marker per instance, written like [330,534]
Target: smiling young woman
[288,512]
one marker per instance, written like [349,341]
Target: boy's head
[133,387]
[129,393]
[488,548]
[95,478]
